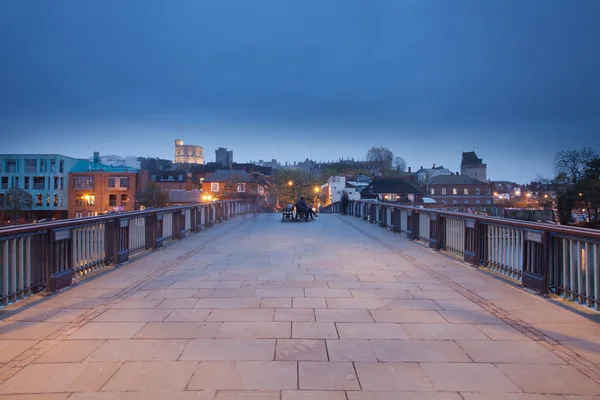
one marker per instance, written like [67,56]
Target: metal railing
[547,258]
[33,257]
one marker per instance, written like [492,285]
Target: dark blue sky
[286,79]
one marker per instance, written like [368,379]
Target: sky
[513,80]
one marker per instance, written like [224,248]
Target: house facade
[460,190]
[335,188]
[97,189]
[44,176]
[227,183]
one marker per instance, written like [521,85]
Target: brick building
[97,189]
[460,190]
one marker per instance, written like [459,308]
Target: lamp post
[317,190]
[291,185]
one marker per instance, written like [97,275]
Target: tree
[152,196]
[302,184]
[17,200]
[399,164]
[154,165]
[381,157]
[576,182]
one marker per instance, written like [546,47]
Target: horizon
[515,82]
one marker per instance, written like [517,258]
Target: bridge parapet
[546,258]
[47,256]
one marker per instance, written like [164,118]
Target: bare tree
[572,164]
[399,164]
[18,200]
[382,157]
[152,196]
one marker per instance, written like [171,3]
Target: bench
[288,213]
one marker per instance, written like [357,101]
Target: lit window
[432,191]
[443,190]
[467,191]
[454,191]
[241,187]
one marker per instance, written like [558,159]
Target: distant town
[41,187]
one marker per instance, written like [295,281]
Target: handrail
[545,257]
[46,256]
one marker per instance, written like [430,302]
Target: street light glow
[290,183]
[317,189]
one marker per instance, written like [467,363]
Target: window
[111,182]
[83,183]
[112,200]
[11,166]
[477,191]
[214,186]
[39,200]
[180,178]
[4,184]
[454,202]
[454,191]
[56,186]
[477,201]
[432,191]
[53,166]
[124,199]
[16,183]
[241,187]
[39,182]
[443,190]
[466,201]
[78,214]
[55,200]
[466,191]
[61,167]
[42,166]
[494,212]
[488,202]
[48,200]
[26,185]
[30,165]
[489,191]
[153,177]
[62,183]
[124,182]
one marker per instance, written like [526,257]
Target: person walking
[345,201]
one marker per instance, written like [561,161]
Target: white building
[118,161]
[425,175]
[336,186]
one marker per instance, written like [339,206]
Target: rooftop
[391,185]
[470,158]
[88,166]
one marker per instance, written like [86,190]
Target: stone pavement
[335,309]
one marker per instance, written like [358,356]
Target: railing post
[434,232]
[157,233]
[122,241]
[535,260]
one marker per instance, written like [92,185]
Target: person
[345,201]
[302,207]
[311,213]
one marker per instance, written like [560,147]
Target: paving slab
[253,309]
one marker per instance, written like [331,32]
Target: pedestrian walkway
[335,309]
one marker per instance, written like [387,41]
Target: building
[360,181]
[188,154]
[95,188]
[335,188]
[224,156]
[460,190]
[392,189]
[44,176]
[423,175]
[177,180]
[227,183]
[473,166]
[117,161]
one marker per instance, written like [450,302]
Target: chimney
[409,171]
[96,158]
[433,166]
